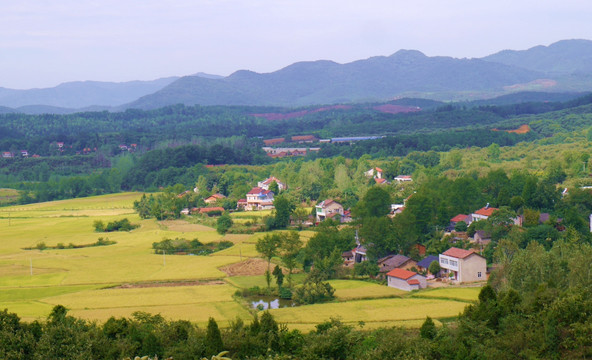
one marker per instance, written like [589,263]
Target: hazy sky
[44,43]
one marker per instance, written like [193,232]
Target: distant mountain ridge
[381,78]
[565,66]
[564,57]
[325,82]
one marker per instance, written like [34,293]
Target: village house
[265,183]
[258,199]
[423,265]
[328,209]
[403,178]
[458,218]
[359,254]
[24,153]
[213,198]
[397,261]
[482,214]
[288,151]
[348,258]
[405,280]
[7,154]
[270,142]
[465,265]
[381,181]
[375,173]
[354,256]
[211,210]
[304,139]
[482,238]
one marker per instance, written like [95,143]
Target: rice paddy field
[98,282]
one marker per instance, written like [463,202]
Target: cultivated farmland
[89,280]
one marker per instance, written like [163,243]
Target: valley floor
[117,280]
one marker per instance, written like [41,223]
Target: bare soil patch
[184,226]
[168,284]
[251,266]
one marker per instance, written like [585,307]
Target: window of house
[444,261]
[453,263]
[479,274]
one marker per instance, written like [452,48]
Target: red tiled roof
[269,180]
[380,181]
[304,138]
[327,202]
[486,211]
[401,274]
[378,169]
[207,210]
[258,190]
[458,253]
[219,196]
[274,141]
[242,201]
[413,282]
[459,217]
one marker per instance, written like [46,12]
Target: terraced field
[88,280]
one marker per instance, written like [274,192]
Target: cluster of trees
[184,246]
[116,225]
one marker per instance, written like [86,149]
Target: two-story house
[328,209]
[259,199]
[465,265]
[265,183]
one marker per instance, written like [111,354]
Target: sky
[47,42]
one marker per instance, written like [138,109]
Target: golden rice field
[86,280]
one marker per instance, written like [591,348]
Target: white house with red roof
[465,265]
[265,183]
[374,173]
[483,213]
[405,280]
[403,178]
[259,199]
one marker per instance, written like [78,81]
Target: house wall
[404,285]
[398,283]
[470,267]
[409,264]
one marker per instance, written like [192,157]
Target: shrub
[312,292]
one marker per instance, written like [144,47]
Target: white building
[465,265]
[265,183]
[405,280]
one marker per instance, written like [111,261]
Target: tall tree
[283,209]
[290,248]
[268,247]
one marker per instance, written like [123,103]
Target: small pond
[269,302]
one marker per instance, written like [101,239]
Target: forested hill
[322,82]
[565,65]
[109,133]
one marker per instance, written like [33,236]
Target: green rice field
[96,283]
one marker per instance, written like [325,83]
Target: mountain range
[560,67]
